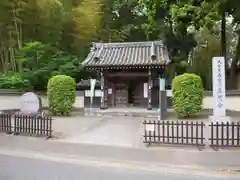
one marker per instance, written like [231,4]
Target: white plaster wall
[232,102]
[13,102]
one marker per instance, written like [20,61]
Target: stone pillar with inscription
[102,91]
[219,108]
[149,90]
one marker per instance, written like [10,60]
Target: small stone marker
[30,103]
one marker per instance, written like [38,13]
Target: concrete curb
[219,160]
[129,165]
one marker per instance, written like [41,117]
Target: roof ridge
[98,45]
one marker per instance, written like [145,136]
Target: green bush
[16,81]
[45,61]
[187,90]
[61,91]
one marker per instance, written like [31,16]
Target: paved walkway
[177,157]
[118,131]
[65,127]
[115,131]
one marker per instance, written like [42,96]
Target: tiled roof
[86,82]
[130,53]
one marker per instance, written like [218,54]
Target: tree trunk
[233,68]
[3,63]
[6,58]
[16,28]
[223,36]
[11,54]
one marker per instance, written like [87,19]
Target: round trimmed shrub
[61,92]
[187,91]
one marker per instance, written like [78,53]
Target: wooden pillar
[162,95]
[149,89]
[105,92]
[114,94]
[102,91]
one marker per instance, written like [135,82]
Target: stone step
[133,114]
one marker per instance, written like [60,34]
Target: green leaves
[195,13]
[61,92]
[44,60]
[187,90]
[87,17]
[14,81]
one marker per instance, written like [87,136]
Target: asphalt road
[19,168]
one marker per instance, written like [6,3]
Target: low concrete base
[138,112]
[224,119]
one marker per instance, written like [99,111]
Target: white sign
[92,84]
[97,93]
[92,87]
[150,127]
[169,93]
[29,103]
[218,75]
[161,84]
[109,91]
[145,90]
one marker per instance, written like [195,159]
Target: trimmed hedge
[187,90]
[61,92]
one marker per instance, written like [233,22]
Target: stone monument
[30,104]
[219,91]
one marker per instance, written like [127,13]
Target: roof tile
[132,53]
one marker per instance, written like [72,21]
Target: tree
[71,27]
[207,47]
[161,23]
[233,8]
[67,27]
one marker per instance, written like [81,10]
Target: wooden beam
[128,74]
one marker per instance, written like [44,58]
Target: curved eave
[106,67]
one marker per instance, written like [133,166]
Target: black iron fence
[40,126]
[218,135]
[225,134]
[174,132]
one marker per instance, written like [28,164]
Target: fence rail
[5,123]
[33,126]
[174,132]
[192,133]
[225,134]
[40,126]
